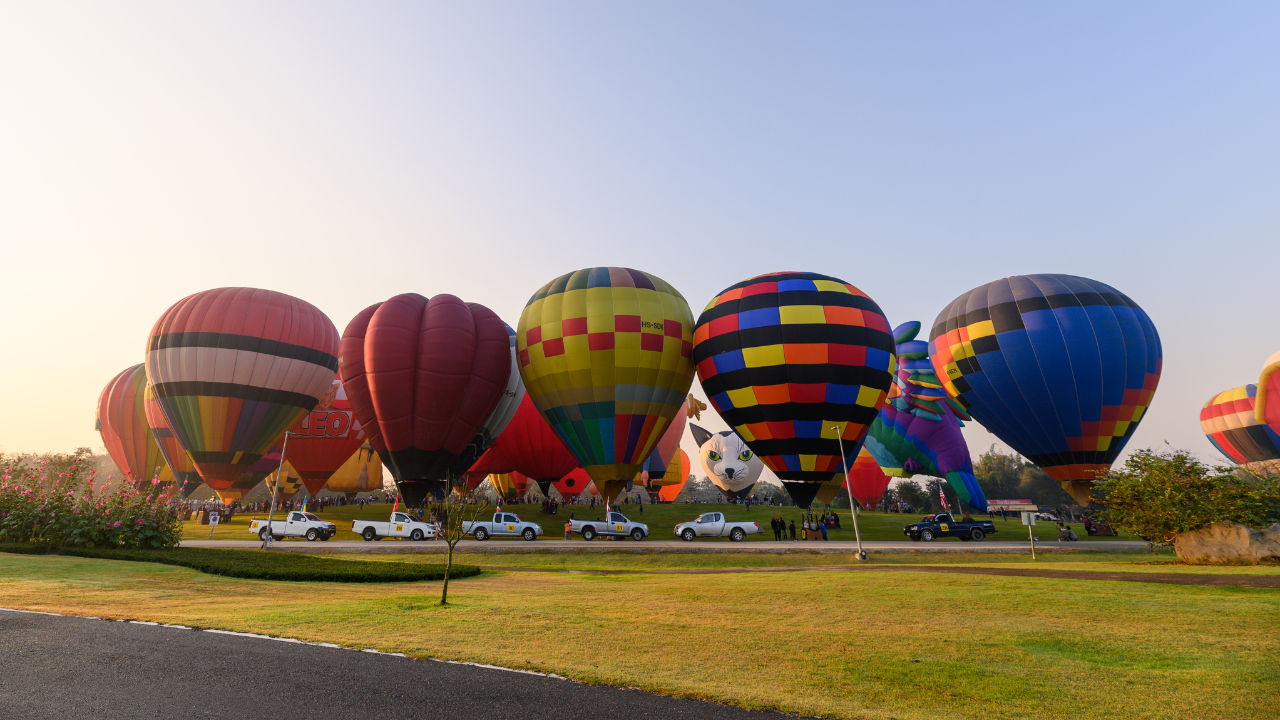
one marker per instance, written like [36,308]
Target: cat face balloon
[727,460]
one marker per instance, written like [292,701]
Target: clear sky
[344,153]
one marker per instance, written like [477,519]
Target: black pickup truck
[943,525]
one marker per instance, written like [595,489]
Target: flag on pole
[943,495]
[394,508]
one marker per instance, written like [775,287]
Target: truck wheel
[977,535]
[588,533]
[482,534]
[263,533]
[312,535]
[926,535]
[369,535]
[737,535]
[688,535]
[637,534]
[416,535]
[529,534]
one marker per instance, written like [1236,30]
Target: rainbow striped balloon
[605,354]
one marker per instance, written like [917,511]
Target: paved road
[516,545]
[63,667]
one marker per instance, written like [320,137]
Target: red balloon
[574,483]
[534,449]
[867,480]
[492,462]
[122,421]
[425,376]
[325,439]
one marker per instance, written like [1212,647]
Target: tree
[1159,495]
[1008,476]
[453,512]
[910,492]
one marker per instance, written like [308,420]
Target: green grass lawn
[661,519]
[878,645]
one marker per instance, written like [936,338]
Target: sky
[348,152]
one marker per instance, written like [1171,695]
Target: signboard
[213,518]
[1028,518]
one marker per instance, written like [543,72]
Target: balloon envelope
[1060,368]
[362,472]
[605,356]
[679,474]
[498,420]
[325,439]
[1230,422]
[786,357]
[423,377]
[664,453]
[122,422]
[175,456]
[235,368]
[530,446]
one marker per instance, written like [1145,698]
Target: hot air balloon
[498,419]
[362,472]
[235,368]
[293,482]
[575,482]
[245,482]
[122,421]
[786,357]
[424,376]
[653,473]
[867,481]
[533,448]
[492,462]
[605,357]
[669,491]
[1236,421]
[325,439]
[175,456]
[918,430]
[728,462]
[1060,368]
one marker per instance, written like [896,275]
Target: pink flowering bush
[71,511]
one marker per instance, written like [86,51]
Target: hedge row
[262,565]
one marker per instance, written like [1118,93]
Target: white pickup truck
[616,526]
[712,524]
[401,525]
[294,524]
[504,524]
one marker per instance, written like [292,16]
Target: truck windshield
[311,517]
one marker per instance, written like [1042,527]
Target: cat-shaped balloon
[727,461]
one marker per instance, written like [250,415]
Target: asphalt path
[67,667]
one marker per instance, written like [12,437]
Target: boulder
[1230,544]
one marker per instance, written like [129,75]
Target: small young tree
[1159,495]
[453,512]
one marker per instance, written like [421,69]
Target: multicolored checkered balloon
[605,354]
[786,357]
[1059,367]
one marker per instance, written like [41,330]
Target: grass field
[901,645]
[660,519]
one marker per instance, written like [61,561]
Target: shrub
[71,511]
[1159,495]
[261,565]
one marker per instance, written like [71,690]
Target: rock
[1230,544]
[1264,468]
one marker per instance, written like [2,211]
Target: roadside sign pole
[853,503]
[269,543]
[1029,519]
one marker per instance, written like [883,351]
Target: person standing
[568,530]
[793,529]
